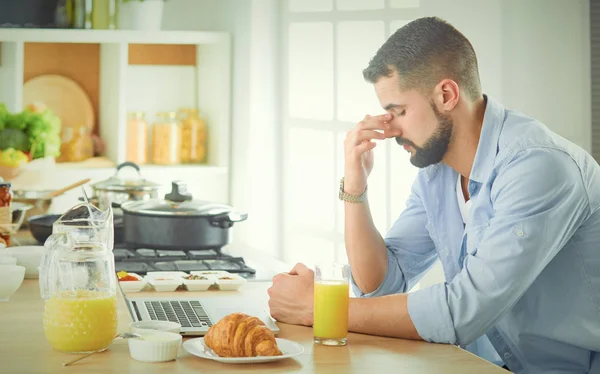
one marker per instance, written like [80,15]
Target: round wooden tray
[63,96]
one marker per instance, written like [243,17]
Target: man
[510,208]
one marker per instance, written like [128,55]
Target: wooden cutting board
[63,96]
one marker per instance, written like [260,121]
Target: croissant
[241,335]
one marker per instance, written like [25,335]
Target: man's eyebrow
[393,106]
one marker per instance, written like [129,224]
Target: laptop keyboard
[186,313]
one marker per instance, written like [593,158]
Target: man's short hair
[425,51]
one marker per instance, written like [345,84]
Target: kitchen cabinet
[126,84]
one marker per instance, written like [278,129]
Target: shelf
[91,163]
[109,36]
[97,163]
[201,78]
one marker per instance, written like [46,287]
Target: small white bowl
[165,274]
[155,346]
[230,282]
[165,285]
[133,286]
[198,284]
[210,273]
[30,257]
[141,327]
[11,278]
[7,260]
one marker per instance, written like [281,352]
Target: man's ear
[446,95]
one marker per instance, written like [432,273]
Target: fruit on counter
[13,158]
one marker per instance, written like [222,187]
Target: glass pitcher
[78,281]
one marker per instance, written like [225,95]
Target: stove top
[143,260]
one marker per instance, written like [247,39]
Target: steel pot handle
[130,164]
[226,220]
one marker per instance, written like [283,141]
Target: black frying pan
[41,227]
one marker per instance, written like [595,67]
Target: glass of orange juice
[332,296]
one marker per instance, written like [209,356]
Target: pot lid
[178,202]
[119,184]
[160,207]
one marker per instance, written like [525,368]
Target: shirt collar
[487,149]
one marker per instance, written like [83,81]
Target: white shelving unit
[121,86]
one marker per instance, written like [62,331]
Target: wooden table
[24,349]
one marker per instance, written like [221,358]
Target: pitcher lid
[84,212]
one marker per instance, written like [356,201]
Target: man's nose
[392,131]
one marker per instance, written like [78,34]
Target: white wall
[546,64]
[254,29]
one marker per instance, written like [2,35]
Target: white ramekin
[155,346]
[141,327]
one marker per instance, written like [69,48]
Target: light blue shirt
[523,276]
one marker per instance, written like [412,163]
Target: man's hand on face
[358,158]
[291,297]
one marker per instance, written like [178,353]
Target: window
[326,45]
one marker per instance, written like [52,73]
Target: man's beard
[436,146]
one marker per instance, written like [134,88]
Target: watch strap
[355,199]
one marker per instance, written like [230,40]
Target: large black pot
[178,222]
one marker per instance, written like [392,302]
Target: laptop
[195,314]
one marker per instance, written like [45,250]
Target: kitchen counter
[24,349]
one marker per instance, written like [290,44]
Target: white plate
[197,347]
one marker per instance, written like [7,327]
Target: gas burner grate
[143,260]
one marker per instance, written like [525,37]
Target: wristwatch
[355,199]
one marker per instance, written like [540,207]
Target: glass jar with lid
[194,136]
[166,139]
[77,144]
[137,138]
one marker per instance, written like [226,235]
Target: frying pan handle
[226,220]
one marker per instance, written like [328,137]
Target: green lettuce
[29,131]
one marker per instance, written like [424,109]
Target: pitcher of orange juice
[78,282]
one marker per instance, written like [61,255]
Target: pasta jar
[5,213]
[137,138]
[193,138]
[166,139]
